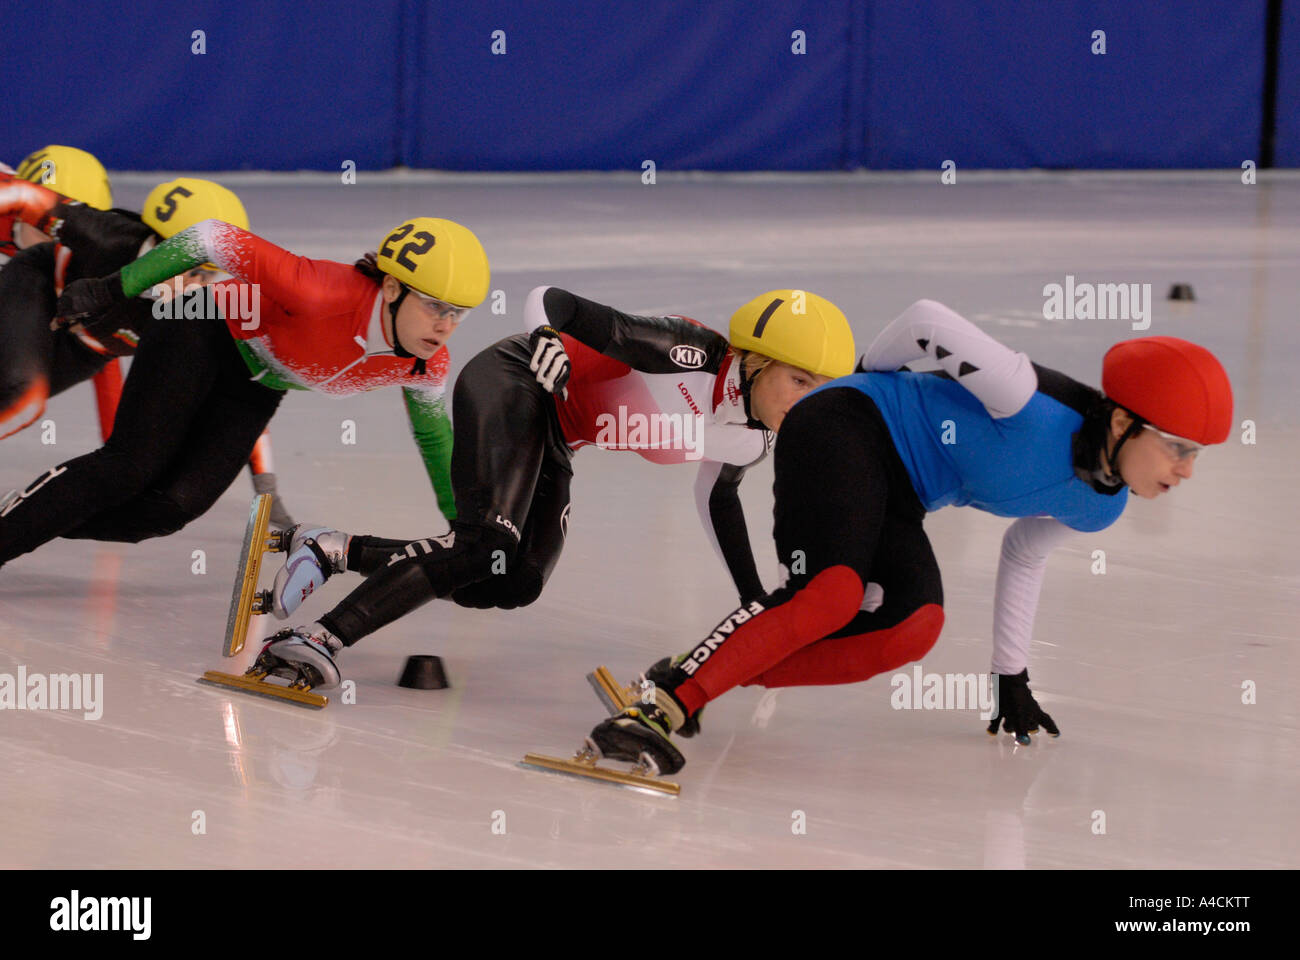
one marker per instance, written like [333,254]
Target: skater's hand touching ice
[1018,711]
[550,360]
[88,298]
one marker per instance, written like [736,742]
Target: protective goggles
[1177,447]
[439,308]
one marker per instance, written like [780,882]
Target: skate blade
[244,598]
[588,770]
[612,694]
[261,688]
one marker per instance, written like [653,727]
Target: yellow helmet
[177,204]
[439,258]
[71,172]
[798,328]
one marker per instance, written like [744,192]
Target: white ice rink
[1142,667]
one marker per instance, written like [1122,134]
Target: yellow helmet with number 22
[439,258]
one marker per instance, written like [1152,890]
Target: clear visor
[1177,447]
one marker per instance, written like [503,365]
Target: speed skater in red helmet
[863,459]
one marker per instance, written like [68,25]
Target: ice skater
[667,388]
[38,359]
[204,384]
[860,463]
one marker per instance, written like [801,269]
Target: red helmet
[1173,384]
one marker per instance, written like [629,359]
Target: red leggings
[846,515]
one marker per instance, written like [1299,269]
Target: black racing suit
[511,470]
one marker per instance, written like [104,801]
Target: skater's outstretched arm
[293,281]
[717,498]
[431,427]
[999,377]
[1021,568]
[643,343]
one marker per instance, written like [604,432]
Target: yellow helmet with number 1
[439,258]
[74,173]
[798,328]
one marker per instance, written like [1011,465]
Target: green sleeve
[181,253]
[431,427]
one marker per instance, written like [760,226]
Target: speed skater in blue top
[861,461]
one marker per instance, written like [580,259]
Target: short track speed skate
[254,681]
[643,775]
[246,600]
[298,672]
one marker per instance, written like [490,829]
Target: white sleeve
[1021,568]
[999,377]
[535,310]
[704,483]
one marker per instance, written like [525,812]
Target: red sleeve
[297,284]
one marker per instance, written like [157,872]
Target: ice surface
[1142,667]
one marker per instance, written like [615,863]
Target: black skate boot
[641,734]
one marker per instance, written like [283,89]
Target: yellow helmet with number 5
[71,172]
[798,328]
[439,258]
[177,204]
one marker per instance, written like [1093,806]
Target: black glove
[550,361]
[88,298]
[118,328]
[1018,711]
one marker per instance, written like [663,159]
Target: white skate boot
[302,655]
[315,553]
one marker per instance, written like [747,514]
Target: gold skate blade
[589,771]
[250,565]
[261,688]
[612,694]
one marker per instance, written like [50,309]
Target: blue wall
[607,84]
[1288,92]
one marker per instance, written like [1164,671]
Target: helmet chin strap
[1133,427]
[746,385]
[418,368]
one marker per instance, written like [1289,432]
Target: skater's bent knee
[502,592]
[914,637]
[837,594]
[160,515]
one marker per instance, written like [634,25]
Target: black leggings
[510,470]
[187,423]
[846,515]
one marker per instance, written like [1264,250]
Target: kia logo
[692,358]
